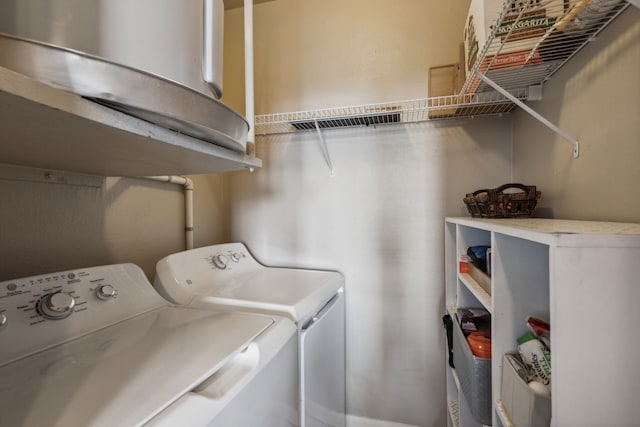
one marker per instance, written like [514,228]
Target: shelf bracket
[325,150]
[536,115]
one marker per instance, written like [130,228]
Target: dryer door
[322,344]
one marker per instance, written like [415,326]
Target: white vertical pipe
[248,69]
[188,203]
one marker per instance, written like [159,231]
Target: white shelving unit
[579,275]
[572,30]
[45,127]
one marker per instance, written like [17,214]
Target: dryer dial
[56,306]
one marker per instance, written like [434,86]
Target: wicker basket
[496,203]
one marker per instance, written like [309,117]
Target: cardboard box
[525,407]
[443,81]
[483,15]
[446,80]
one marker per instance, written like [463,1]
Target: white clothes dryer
[228,276]
[99,347]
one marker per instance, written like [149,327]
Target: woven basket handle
[475,193]
[529,189]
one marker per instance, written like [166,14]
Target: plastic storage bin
[474,374]
[525,407]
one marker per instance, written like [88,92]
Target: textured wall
[47,227]
[595,98]
[380,222]
[330,53]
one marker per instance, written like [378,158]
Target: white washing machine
[228,276]
[99,347]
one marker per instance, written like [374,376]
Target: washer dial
[220,261]
[56,306]
[106,292]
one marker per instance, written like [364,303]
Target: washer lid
[293,293]
[124,374]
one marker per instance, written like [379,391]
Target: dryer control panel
[41,311]
[223,259]
[183,275]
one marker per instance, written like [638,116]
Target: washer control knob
[220,261]
[3,319]
[106,292]
[55,306]
[235,257]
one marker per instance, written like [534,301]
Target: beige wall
[93,221]
[596,98]
[380,219]
[328,53]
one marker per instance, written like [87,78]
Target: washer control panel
[40,311]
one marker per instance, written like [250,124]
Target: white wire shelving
[409,111]
[529,42]
[532,39]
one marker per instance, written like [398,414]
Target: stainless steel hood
[140,94]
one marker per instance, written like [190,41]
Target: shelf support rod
[325,150]
[536,115]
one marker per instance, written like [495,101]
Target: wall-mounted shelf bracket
[533,113]
[325,150]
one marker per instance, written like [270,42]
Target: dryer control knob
[3,319]
[55,306]
[235,257]
[106,292]
[220,261]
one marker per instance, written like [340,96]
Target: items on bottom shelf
[474,372]
[526,377]
[474,320]
[541,329]
[535,347]
[526,406]
[536,357]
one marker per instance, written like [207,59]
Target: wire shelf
[411,111]
[529,42]
[532,39]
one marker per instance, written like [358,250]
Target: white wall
[380,222]
[596,98]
